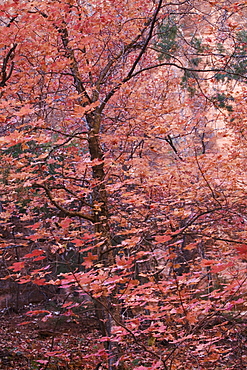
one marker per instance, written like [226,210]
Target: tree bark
[106,308]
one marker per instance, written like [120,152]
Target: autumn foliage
[123,175]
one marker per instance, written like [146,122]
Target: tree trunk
[105,307]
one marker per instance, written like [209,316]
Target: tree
[110,115]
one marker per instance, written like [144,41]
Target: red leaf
[24,323]
[177,231]
[39,281]
[17,266]
[35,226]
[242,249]
[34,253]
[65,223]
[67,304]
[221,267]
[34,237]
[39,258]
[24,280]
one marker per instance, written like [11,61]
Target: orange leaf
[24,323]
[34,237]
[25,110]
[36,312]
[190,246]
[77,242]
[88,261]
[162,238]
[207,262]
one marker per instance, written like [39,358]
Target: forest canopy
[123,177]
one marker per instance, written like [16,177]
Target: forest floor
[49,342]
[48,338]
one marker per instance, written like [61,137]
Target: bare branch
[61,208]
[147,40]
[6,76]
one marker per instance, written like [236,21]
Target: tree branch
[6,76]
[61,208]
[147,40]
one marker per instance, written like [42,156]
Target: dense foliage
[123,183]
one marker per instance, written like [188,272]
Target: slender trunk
[105,307]
[100,203]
